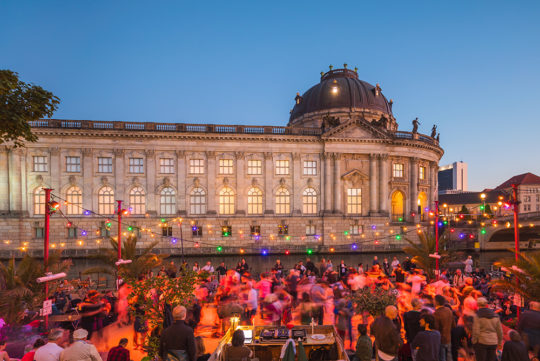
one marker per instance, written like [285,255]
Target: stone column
[88,178]
[241,203]
[4,179]
[181,171]
[119,176]
[268,185]
[24,182]
[413,204]
[211,182]
[373,194]
[296,197]
[15,181]
[337,183]
[433,191]
[327,183]
[384,199]
[150,171]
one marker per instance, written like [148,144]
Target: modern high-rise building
[453,178]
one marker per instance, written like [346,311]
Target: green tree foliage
[526,271]
[21,103]
[420,250]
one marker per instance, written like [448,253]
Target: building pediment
[355,177]
[357,129]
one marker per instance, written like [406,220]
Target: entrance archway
[422,204]
[398,206]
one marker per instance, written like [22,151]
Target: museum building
[339,173]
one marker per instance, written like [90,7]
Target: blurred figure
[29,356]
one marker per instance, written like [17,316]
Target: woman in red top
[29,356]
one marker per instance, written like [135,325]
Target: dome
[341,88]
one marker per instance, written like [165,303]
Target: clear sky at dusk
[471,67]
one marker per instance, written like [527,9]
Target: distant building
[453,178]
[528,191]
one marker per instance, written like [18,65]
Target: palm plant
[526,272]
[141,262]
[420,250]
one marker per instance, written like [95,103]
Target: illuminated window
[254,167]
[40,164]
[196,229]
[196,166]
[137,200]
[255,201]
[255,230]
[310,167]
[197,199]
[106,200]
[283,201]
[167,201]
[397,171]
[226,166]
[283,229]
[73,164]
[354,200]
[226,201]
[136,165]
[104,165]
[166,165]
[282,167]
[166,231]
[39,201]
[310,229]
[39,232]
[74,199]
[422,173]
[309,200]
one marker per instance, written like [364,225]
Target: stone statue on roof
[433,131]
[415,124]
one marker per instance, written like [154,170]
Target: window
[310,167]
[354,200]
[255,201]
[310,229]
[397,171]
[226,201]
[167,201]
[255,231]
[39,232]
[198,201]
[40,164]
[538,197]
[39,201]
[166,231]
[196,230]
[104,165]
[422,173]
[136,165]
[73,164]
[226,231]
[72,232]
[356,229]
[226,166]
[526,207]
[166,165]
[309,200]
[196,166]
[254,167]
[105,229]
[282,167]
[74,200]
[527,199]
[137,200]
[106,200]
[283,229]
[283,201]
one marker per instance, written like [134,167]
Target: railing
[415,136]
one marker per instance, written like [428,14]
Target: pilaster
[55,170]
[211,181]
[327,182]
[88,178]
[268,185]
[150,172]
[182,203]
[373,191]
[4,179]
[384,197]
[241,204]
[296,198]
[119,174]
[337,183]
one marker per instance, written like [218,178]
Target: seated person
[238,352]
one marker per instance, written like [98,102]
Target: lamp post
[516,234]
[437,239]
[119,211]
[46,244]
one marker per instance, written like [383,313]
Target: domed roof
[341,88]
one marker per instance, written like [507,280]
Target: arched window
[255,201]
[137,200]
[422,204]
[226,201]
[354,200]
[398,206]
[309,199]
[167,201]
[106,200]
[198,201]
[74,199]
[39,201]
[283,201]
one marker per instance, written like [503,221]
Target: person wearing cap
[177,341]
[486,333]
[51,351]
[80,350]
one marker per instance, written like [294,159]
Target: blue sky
[471,67]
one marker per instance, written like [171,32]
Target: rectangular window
[282,167]
[196,231]
[196,166]
[104,165]
[527,199]
[254,167]
[105,229]
[356,229]
[226,166]
[40,164]
[166,231]
[255,231]
[526,207]
[166,165]
[72,232]
[354,200]
[310,167]
[422,173]
[38,232]
[73,164]
[538,197]
[283,229]
[226,231]
[310,229]
[136,165]
[397,171]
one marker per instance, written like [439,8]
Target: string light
[264,252]
[309,251]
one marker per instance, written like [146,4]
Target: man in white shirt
[208,267]
[51,351]
[80,350]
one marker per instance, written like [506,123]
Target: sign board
[47,308]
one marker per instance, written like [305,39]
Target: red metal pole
[46,245]
[119,230]
[437,239]
[516,233]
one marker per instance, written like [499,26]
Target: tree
[420,251]
[526,271]
[21,103]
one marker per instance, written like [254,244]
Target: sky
[471,67]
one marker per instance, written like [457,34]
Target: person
[514,349]
[208,267]
[386,267]
[364,347]
[407,264]
[120,352]
[29,356]
[468,265]
[201,354]
[486,333]
[411,319]
[244,267]
[395,263]
[459,280]
[3,354]
[251,302]
[310,266]
[342,269]
[196,267]
[399,274]
[344,315]
[375,260]
[387,338]
[318,296]
[461,340]
[178,340]
[237,351]
[80,350]
[444,323]
[306,309]
[278,267]
[221,270]
[427,343]
[51,350]
[417,280]
[139,327]
[529,325]
[90,310]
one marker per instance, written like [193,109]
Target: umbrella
[301,352]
